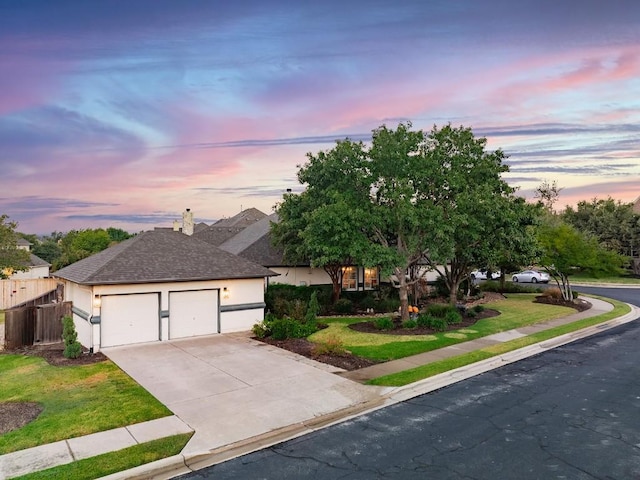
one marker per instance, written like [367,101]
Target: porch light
[225,293]
[97,301]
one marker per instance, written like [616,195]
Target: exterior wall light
[97,301]
[225,293]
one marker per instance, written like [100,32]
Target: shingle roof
[35,261]
[22,242]
[160,256]
[242,219]
[215,235]
[254,244]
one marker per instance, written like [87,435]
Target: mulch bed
[349,362]
[15,415]
[304,347]
[53,354]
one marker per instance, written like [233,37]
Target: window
[370,278]
[349,278]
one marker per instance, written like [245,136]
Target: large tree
[566,250]
[410,199]
[12,258]
[614,224]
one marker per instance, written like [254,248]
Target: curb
[170,467]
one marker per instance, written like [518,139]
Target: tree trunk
[453,292]
[403,293]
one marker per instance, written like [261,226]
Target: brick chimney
[187,222]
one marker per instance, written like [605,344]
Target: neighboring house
[251,240]
[37,267]
[162,285]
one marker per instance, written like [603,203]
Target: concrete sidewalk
[262,393]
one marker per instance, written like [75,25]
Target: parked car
[531,276]
[482,275]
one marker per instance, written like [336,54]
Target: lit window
[349,278]
[370,278]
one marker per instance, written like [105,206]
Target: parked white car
[530,276]
[482,275]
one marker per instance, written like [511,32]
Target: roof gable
[242,219]
[160,256]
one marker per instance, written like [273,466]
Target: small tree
[313,309]
[72,348]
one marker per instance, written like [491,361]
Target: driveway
[229,388]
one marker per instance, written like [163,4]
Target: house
[251,240]
[162,285]
[37,267]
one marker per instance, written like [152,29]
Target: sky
[125,112]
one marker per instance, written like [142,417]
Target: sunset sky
[123,113]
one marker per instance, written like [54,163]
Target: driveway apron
[229,388]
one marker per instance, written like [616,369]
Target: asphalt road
[569,413]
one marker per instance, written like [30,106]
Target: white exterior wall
[300,276]
[242,301]
[31,273]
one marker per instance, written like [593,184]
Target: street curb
[170,467]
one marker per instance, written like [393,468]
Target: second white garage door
[193,313]
[127,319]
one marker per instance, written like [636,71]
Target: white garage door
[193,313]
[127,319]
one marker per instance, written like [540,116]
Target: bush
[260,330]
[297,309]
[424,320]
[440,309]
[472,313]
[283,328]
[383,323]
[332,345]
[410,324]
[313,309]
[438,324]
[343,306]
[553,292]
[478,308]
[452,317]
[72,348]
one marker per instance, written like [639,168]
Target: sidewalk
[46,456]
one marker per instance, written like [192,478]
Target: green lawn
[108,463]
[517,310]
[76,400]
[604,280]
[425,371]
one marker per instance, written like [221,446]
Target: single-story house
[162,285]
[36,268]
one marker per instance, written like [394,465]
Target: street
[570,413]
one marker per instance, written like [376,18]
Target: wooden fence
[16,292]
[34,324]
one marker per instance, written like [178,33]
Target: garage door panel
[127,319]
[193,313]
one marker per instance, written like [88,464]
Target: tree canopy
[12,258]
[409,199]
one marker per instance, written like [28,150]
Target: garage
[127,319]
[192,313]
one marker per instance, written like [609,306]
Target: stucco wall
[33,272]
[300,276]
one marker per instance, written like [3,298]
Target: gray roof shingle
[242,219]
[160,256]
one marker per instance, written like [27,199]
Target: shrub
[471,313]
[553,292]
[478,308]
[313,309]
[283,328]
[260,330]
[280,307]
[343,306]
[452,317]
[410,324]
[438,324]
[383,323]
[72,348]
[331,345]
[386,305]
[440,309]
[297,309]
[424,320]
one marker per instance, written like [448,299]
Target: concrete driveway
[229,388]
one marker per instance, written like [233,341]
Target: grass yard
[108,463]
[76,400]
[435,368]
[517,310]
[603,281]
